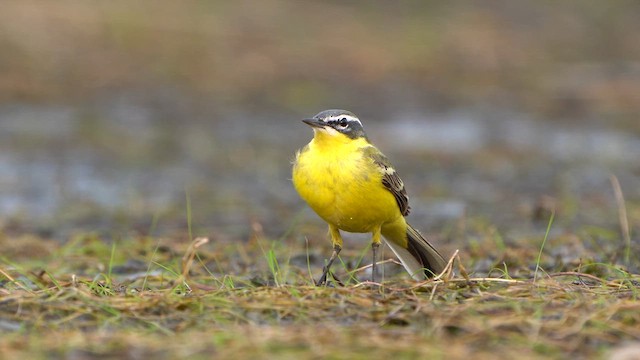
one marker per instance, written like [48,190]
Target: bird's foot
[323,279]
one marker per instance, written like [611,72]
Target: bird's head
[337,123]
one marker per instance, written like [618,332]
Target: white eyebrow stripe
[348,117]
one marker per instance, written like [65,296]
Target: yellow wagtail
[350,184]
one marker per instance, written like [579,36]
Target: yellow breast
[342,185]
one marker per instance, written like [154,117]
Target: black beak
[313,122]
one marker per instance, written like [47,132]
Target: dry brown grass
[171,311]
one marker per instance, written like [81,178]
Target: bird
[352,186]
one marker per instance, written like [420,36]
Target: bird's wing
[390,178]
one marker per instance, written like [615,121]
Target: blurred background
[117,117]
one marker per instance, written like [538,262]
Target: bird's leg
[374,249]
[325,270]
[336,239]
[375,244]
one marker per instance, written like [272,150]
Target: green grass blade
[544,241]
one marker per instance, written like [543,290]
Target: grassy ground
[164,298]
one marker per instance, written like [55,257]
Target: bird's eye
[343,123]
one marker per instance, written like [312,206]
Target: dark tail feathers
[429,258]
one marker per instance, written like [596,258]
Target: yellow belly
[344,188]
